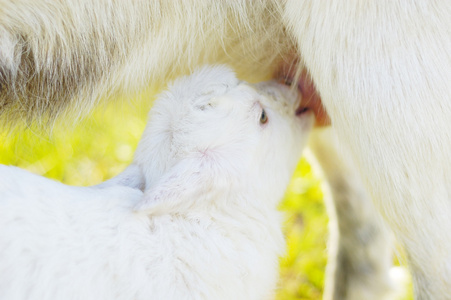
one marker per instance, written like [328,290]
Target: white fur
[382,69]
[206,225]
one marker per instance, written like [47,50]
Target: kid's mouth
[310,99]
[302,110]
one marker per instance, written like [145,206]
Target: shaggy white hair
[382,69]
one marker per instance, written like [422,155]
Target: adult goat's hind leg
[382,69]
[360,245]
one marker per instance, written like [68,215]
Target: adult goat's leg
[382,70]
[360,245]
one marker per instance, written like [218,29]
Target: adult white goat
[382,69]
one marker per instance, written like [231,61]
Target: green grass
[102,145]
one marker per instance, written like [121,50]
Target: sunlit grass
[103,144]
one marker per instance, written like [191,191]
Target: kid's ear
[131,177]
[189,181]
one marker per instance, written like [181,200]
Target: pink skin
[310,100]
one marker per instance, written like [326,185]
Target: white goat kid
[194,216]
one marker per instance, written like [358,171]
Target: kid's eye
[263,117]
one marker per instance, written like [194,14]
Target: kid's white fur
[206,225]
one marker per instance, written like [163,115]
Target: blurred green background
[102,145]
